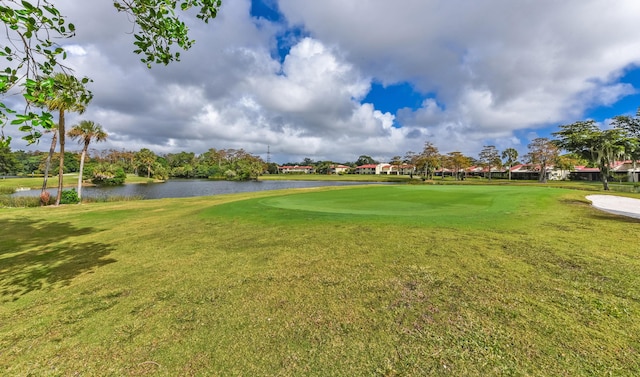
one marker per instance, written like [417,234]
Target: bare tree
[542,153]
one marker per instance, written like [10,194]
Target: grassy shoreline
[519,280]
[336,177]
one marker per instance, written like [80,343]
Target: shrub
[87,172]
[108,175]
[69,197]
[160,172]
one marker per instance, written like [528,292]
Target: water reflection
[182,188]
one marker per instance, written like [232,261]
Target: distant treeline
[232,164]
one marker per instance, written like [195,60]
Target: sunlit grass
[336,177]
[11,185]
[35,182]
[68,179]
[376,280]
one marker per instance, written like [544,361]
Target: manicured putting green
[442,204]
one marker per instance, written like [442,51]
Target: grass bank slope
[384,280]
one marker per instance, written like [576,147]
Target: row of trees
[34,68]
[231,164]
[584,142]
[25,163]
[602,147]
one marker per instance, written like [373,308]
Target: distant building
[580,173]
[367,169]
[295,169]
[583,173]
[385,169]
[338,169]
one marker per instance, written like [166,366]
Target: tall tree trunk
[61,135]
[47,164]
[509,172]
[542,178]
[604,175]
[82,156]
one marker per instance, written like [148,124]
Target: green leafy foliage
[229,164]
[69,197]
[490,158]
[32,55]
[85,132]
[542,153]
[232,164]
[71,162]
[107,175]
[9,164]
[600,147]
[631,127]
[427,161]
[160,27]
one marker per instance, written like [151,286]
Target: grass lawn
[336,177]
[375,280]
[36,182]
[69,180]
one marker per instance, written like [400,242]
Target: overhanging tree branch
[32,55]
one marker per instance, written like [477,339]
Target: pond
[182,188]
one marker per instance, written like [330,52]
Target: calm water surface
[182,188]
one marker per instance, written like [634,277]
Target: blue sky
[336,79]
[627,105]
[394,96]
[403,95]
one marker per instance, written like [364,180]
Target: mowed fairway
[443,206]
[406,280]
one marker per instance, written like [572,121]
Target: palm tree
[146,158]
[510,155]
[85,132]
[44,196]
[70,95]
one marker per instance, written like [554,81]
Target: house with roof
[578,173]
[633,172]
[406,169]
[367,169]
[444,172]
[385,169]
[483,171]
[532,172]
[296,169]
[339,169]
[518,172]
[403,169]
[624,168]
